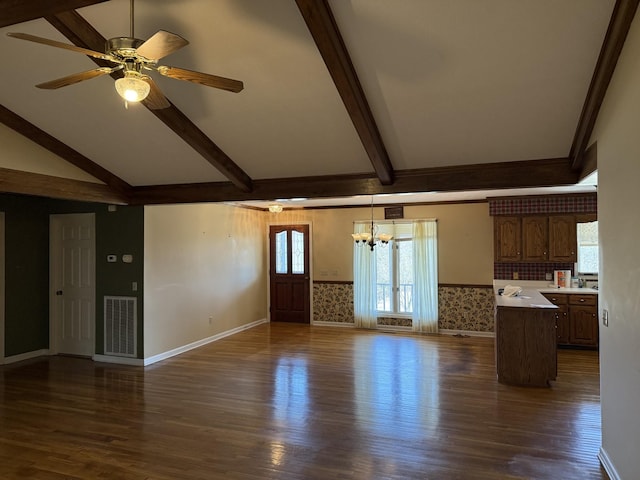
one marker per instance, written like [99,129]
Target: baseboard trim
[185,348]
[135,362]
[333,324]
[26,356]
[398,328]
[607,465]
[468,333]
[394,328]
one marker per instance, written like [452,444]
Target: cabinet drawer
[558,298]
[583,299]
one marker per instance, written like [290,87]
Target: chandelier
[371,237]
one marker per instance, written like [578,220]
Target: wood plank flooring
[285,401]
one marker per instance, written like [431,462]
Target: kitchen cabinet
[577,323]
[563,245]
[563,327]
[507,239]
[535,238]
[583,318]
[526,346]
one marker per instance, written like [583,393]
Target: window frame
[579,246]
[395,277]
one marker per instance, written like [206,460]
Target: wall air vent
[120,326]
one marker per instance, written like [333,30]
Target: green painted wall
[26,274]
[27,265]
[118,233]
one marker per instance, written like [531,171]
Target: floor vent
[120,326]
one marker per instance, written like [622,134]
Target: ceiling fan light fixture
[132,87]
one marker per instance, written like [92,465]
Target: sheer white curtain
[425,268]
[364,283]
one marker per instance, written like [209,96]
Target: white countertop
[587,291]
[541,286]
[528,298]
[531,296]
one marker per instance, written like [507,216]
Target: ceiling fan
[134,57]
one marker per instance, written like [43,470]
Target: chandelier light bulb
[132,87]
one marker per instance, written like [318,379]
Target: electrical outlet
[548,276]
[210,320]
[134,286]
[605,317]
[516,276]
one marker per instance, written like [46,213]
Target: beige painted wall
[465,239]
[201,261]
[619,230]
[20,153]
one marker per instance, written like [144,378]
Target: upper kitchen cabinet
[562,239]
[507,239]
[535,239]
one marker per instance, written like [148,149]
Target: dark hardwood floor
[288,401]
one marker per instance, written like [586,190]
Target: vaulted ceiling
[341,97]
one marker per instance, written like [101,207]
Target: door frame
[55,244]
[2,287]
[269,225]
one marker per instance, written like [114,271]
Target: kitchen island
[526,339]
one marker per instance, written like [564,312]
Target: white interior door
[72,325]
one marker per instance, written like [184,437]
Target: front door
[73,284]
[289,273]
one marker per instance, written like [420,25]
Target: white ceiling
[449,83]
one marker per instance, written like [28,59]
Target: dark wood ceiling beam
[621,18]
[590,161]
[52,144]
[18,11]
[324,30]
[82,34]
[524,174]
[26,183]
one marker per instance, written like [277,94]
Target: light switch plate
[112,258]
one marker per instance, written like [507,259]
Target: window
[588,259]
[394,277]
[400,278]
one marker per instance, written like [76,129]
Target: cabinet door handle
[582,300]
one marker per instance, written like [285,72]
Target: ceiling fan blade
[77,77]
[66,46]
[161,44]
[156,99]
[202,78]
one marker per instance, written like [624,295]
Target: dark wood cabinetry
[577,322]
[535,238]
[583,317]
[562,238]
[508,239]
[526,346]
[563,328]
